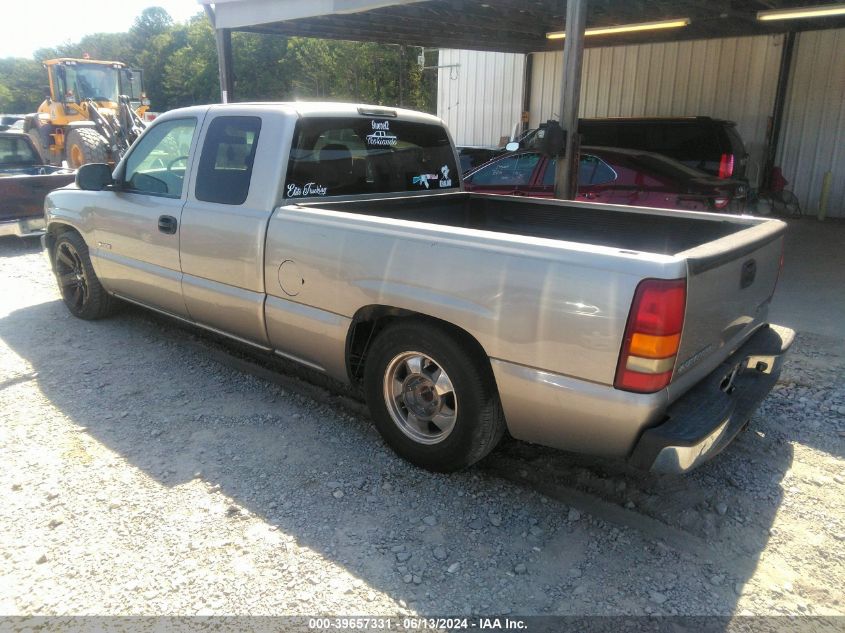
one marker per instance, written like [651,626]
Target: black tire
[478,419]
[85,145]
[81,291]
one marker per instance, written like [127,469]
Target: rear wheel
[81,290]
[432,396]
[85,145]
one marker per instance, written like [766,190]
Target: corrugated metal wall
[813,135]
[731,78]
[481,98]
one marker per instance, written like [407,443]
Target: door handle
[167,224]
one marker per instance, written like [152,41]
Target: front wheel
[81,291]
[432,396]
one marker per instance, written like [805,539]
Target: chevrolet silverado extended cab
[339,236]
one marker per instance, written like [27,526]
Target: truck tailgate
[22,196]
[730,282]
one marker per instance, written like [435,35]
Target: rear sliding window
[17,151]
[341,156]
[226,162]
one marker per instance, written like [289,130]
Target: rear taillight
[652,336]
[726,166]
[721,203]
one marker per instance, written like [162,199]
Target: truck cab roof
[303,109]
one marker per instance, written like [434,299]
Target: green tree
[180,67]
[189,75]
[357,71]
[152,22]
[260,69]
[24,81]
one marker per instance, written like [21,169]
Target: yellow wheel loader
[93,113]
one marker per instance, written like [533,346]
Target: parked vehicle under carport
[613,176]
[710,145]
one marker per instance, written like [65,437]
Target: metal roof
[518,26]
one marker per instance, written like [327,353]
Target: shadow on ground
[16,246]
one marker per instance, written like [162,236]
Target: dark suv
[709,145]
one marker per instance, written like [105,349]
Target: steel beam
[224,59]
[566,181]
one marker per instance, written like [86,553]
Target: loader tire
[85,145]
[35,135]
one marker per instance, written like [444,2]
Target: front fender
[70,209]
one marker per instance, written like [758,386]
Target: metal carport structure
[518,26]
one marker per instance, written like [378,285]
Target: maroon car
[612,176]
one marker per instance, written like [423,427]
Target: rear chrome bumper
[710,415]
[31,227]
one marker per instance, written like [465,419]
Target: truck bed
[714,253]
[665,233]
[22,191]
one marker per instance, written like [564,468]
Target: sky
[54,22]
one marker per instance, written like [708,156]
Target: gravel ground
[150,469]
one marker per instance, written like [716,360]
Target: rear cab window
[342,156]
[17,151]
[225,167]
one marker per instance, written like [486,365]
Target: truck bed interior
[627,230]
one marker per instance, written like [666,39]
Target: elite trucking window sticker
[308,189]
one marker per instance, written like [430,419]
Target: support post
[566,181]
[224,62]
[778,109]
[223,38]
[527,80]
[401,76]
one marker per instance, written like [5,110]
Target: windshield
[90,81]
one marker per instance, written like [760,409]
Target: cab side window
[157,164]
[225,168]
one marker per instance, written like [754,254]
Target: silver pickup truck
[339,236]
